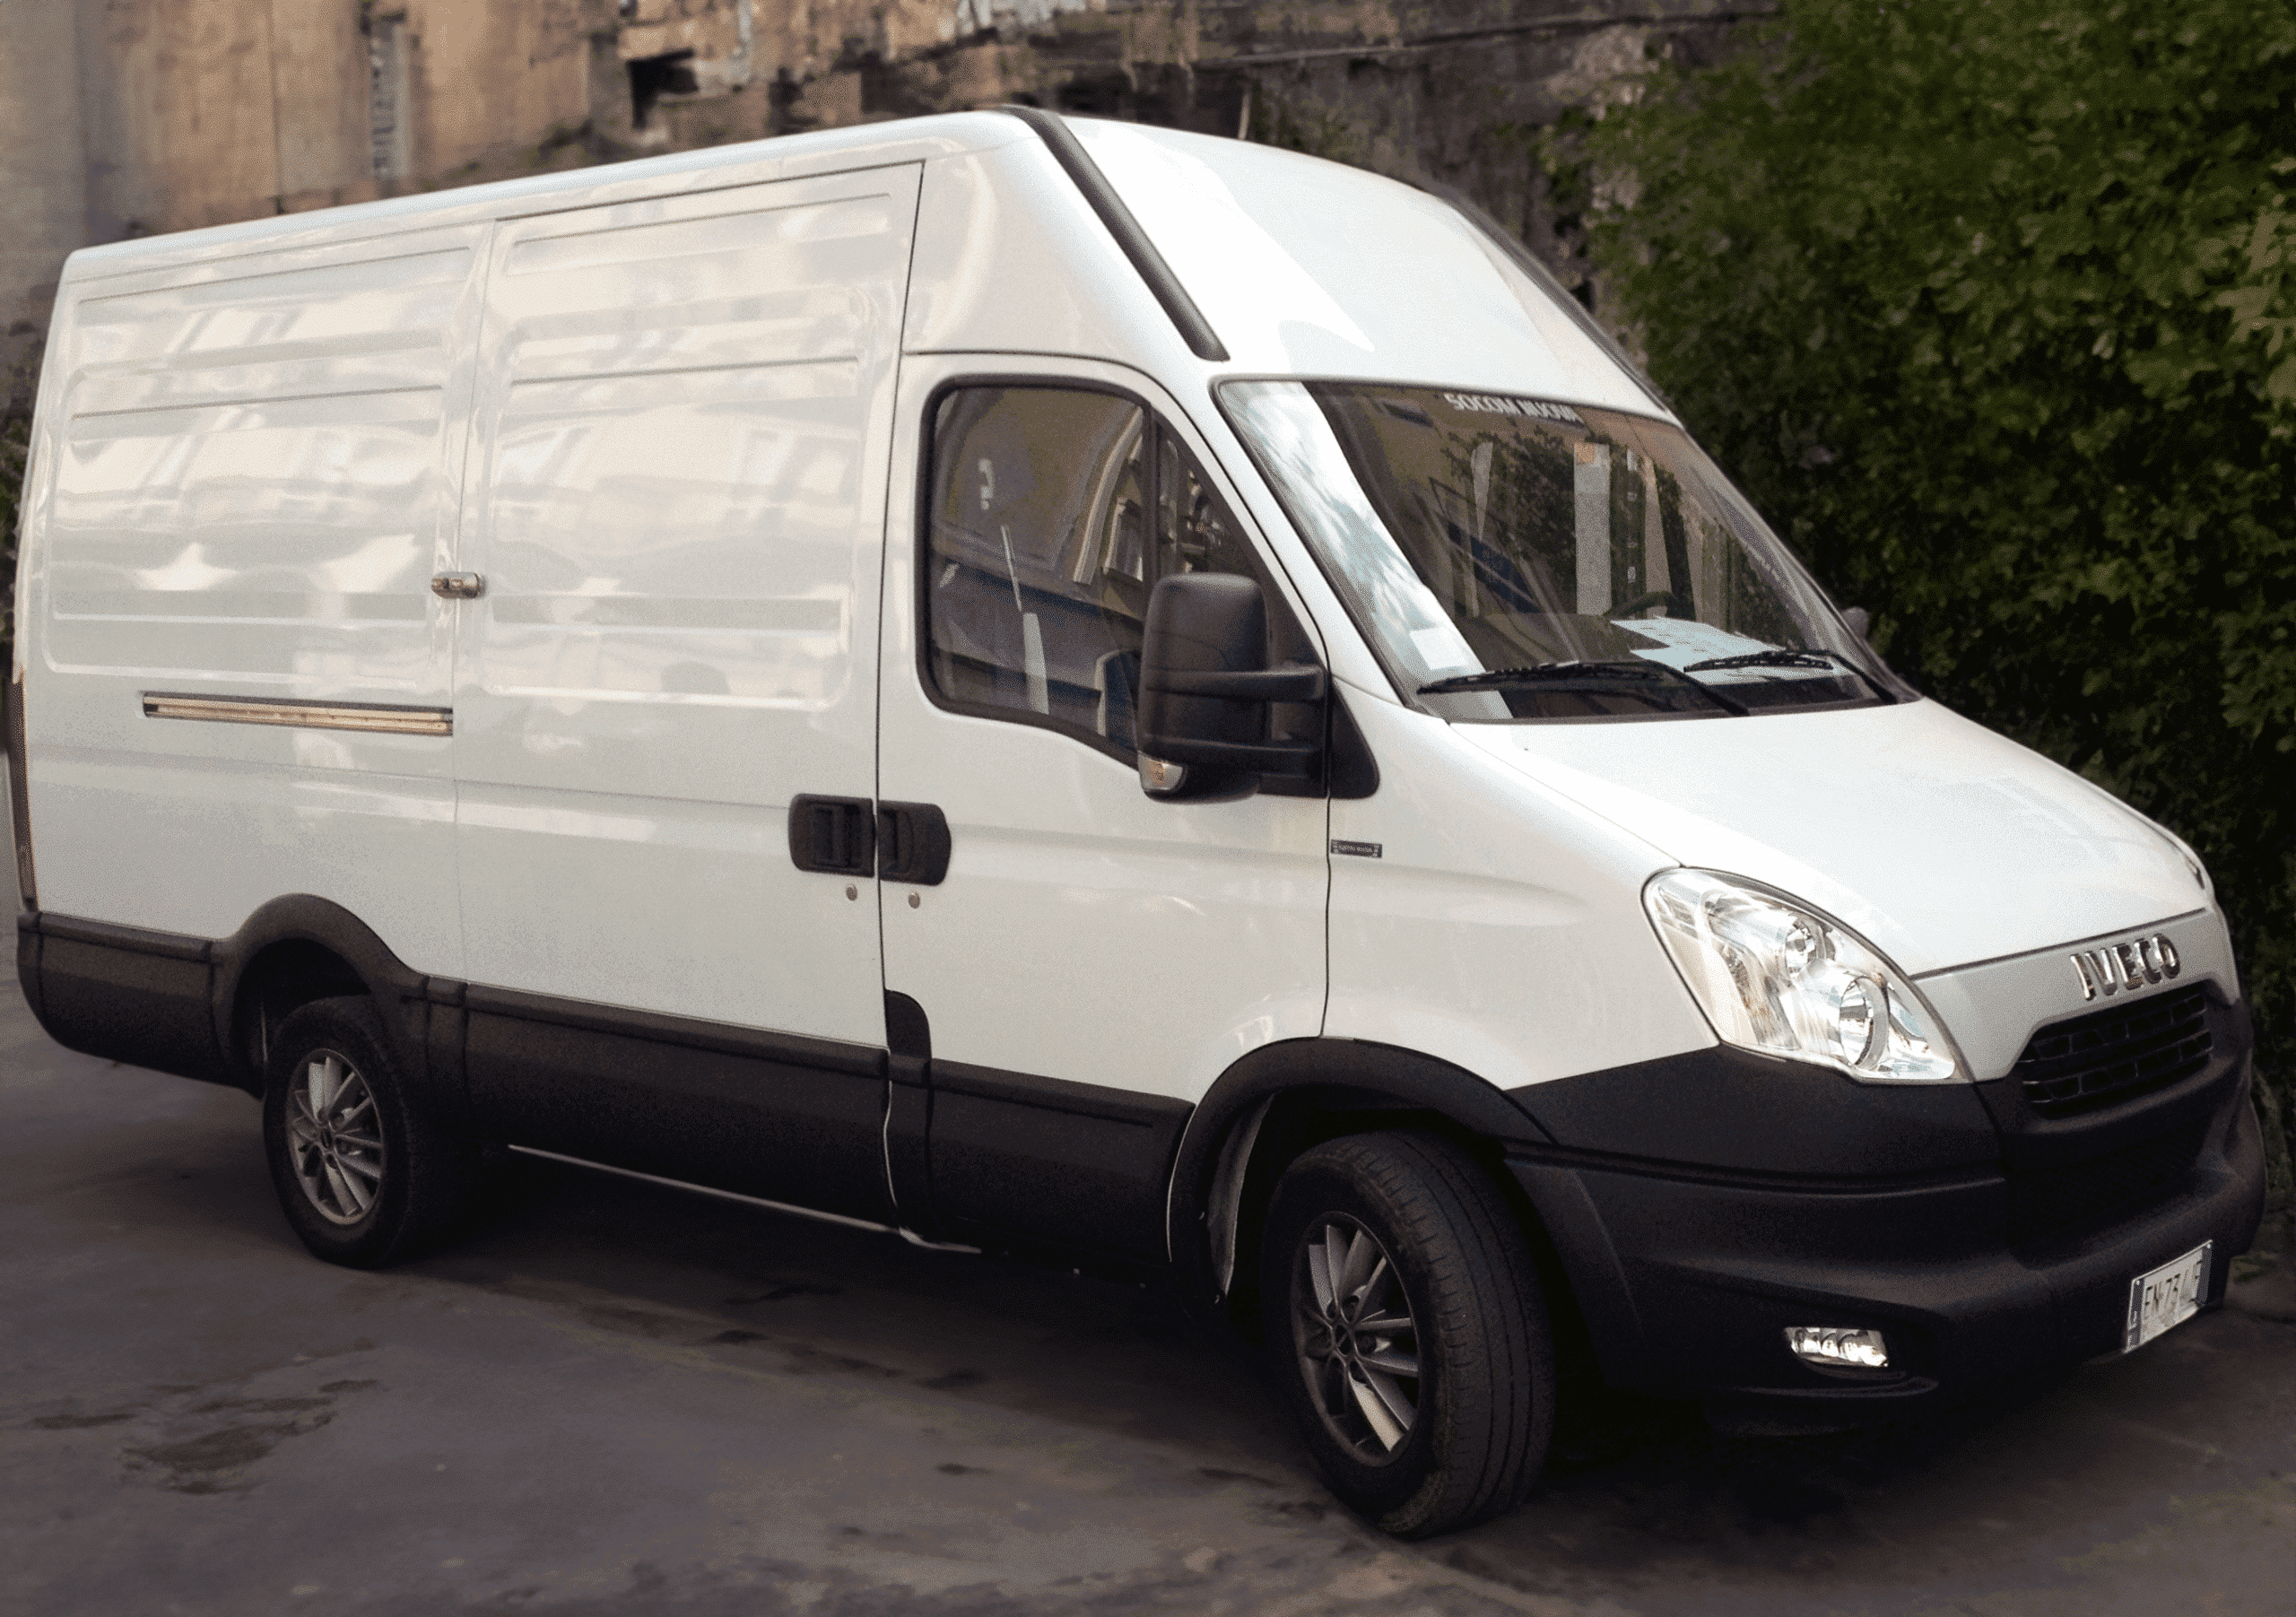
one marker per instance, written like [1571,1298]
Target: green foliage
[1991,304]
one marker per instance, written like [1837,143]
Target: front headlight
[1777,977]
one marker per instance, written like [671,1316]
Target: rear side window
[1053,512]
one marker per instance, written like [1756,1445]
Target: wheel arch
[296,949]
[1284,1098]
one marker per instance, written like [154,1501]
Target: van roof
[781,157]
[1266,262]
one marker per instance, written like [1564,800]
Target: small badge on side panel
[1361,850]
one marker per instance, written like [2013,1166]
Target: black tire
[364,1175]
[1463,1438]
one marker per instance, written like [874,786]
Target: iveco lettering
[1066,689]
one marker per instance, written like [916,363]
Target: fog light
[1836,1344]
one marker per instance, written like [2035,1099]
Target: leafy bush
[1991,304]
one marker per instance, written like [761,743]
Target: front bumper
[1687,1276]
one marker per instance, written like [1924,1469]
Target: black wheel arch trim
[170,1002]
[1342,1075]
[398,991]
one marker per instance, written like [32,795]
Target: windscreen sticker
[1485,404]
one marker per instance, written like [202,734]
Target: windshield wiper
[1489,677]
[1636,671]
[1788,657]
[1774,657]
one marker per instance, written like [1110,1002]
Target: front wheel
[1407,1331]
[364,1175]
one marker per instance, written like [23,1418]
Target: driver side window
[1053,512]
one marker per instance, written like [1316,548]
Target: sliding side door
[675,519]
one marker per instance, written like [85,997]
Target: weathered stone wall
[43,168]
[492,76]
[123,118]
[201,111]
[177,106]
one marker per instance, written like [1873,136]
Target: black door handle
[834,835]
[912,843]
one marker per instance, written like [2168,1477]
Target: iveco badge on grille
[2131,965]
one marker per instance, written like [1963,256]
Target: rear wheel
[364,1175]
[1407,1329]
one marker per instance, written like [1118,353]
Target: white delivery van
[1082,690]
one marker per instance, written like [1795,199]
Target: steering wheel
[1674,605]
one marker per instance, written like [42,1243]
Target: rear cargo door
[675,519]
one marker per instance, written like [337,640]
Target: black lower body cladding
[1689,1272]
[139,997]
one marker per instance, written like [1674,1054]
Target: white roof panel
[1310,268]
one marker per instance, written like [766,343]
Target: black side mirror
[1205,692]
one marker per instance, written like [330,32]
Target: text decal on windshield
[1484,404]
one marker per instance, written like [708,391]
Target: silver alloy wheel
[1358,1344]
[337,1139]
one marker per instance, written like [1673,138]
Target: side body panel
[252,471]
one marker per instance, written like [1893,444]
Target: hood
[1941,842]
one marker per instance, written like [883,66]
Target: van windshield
[1514,559]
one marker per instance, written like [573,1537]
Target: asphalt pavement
[614,1398]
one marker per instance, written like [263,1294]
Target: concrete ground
[614,1398]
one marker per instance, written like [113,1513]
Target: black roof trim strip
[1070,153]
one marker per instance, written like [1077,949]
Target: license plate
[2167,1297]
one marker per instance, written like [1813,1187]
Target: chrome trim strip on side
[380,717]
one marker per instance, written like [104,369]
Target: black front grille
[2114,1055]
[2087,1196]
